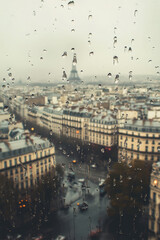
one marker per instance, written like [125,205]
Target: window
[25,158]
[19,159]
[22,185]
[131,155]
[132,139]
[40,154]
[146,149]
[11,172]
[41,169]
[152,149]
[152,158]
[22,176]
[146,157]
[5,164]
[153,142]
[132,146]
[29,157]
[49,151]
[153,212]
[154,197]
[146,141]
[15,161]
[121,137]
[44,153]
[152,226]
[137,156]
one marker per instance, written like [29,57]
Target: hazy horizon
[35,34]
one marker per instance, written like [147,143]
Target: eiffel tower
[74,78]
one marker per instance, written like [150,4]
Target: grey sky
[29,27]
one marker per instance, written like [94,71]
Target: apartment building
[52,119]
[102,130]
[75,123]
[26,160]
[154,205]
[139,140]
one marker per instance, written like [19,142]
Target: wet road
[73,223]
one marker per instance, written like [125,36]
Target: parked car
[60,237]
[83,206]
[93,166]
[71,176]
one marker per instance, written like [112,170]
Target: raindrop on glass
[64,54]
[135,12]
[89,17]
[64,76]
[129,49]
[91,53]
[109,75]
[70,4]
[115,59]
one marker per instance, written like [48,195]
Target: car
[60,237]
[93,166]
[81,180]
[83,206]
[71,176]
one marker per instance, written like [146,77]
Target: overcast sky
[35,34]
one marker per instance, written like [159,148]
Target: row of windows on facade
[26,183]
[138,147]
[152,157]
[138,140]
[25,160]
[12,172]
[147,135]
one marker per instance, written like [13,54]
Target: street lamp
[74,227]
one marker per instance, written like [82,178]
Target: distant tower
[74,78]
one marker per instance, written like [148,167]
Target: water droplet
[72,49]
[10,74]
[129,49]
[44,50]
[70,4]
[157,73]
[149,60]
[64,54]
[74,60]
[135,12]
[114,41]
[109,75]
[125,48]
[116,79]
[64,76]
[115,59]
[90,17]
[81,71]
[41,58]
[91,53]
[72,30]
[4,80]
[115,30]
[130,75]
